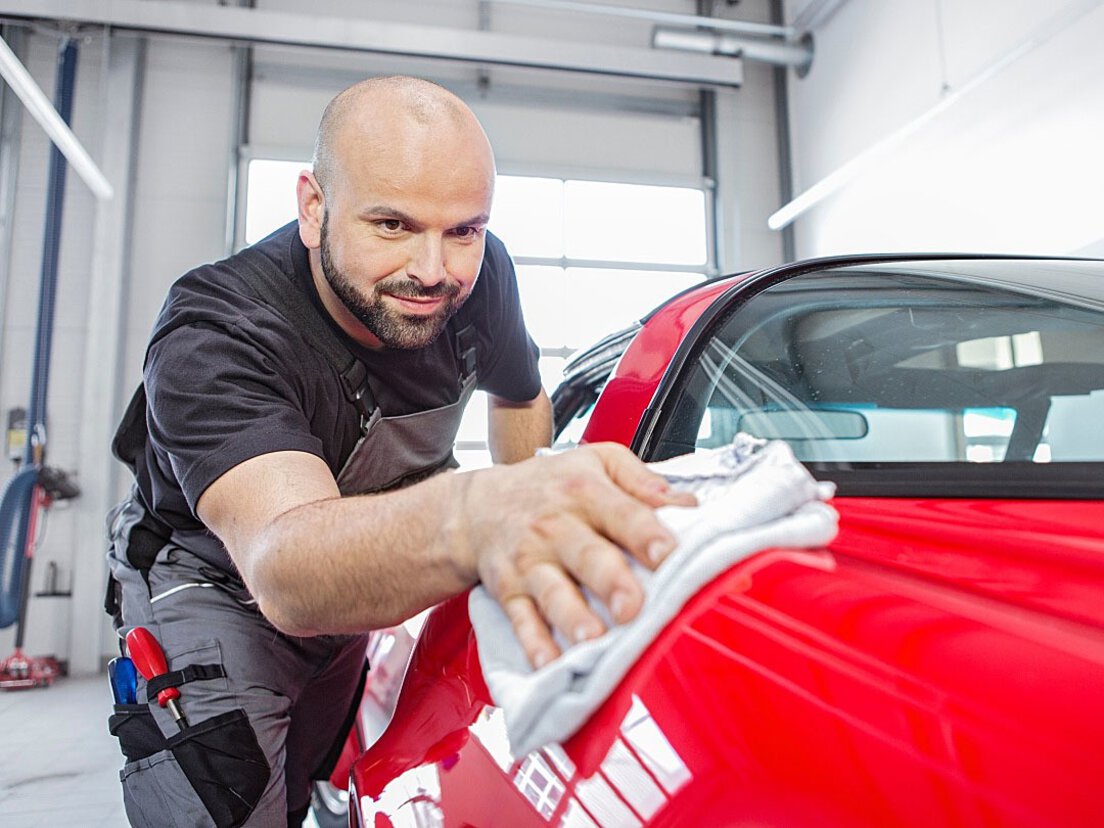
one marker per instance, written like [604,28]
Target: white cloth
[752,496]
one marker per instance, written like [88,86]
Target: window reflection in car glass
[876,366]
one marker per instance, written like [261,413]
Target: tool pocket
[137,732]
[225,765]
[218,760]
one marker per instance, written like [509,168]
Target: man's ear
[312,207]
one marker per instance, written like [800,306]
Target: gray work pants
[263,709]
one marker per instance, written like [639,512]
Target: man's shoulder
[224,293]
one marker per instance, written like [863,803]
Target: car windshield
[907,363]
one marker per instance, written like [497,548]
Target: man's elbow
[282,593]
[305,601]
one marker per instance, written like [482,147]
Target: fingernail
[582,633]
[618,605]
[541,658]
[659,549]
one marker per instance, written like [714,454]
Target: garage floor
[58,764]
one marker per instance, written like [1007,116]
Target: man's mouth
[417,305]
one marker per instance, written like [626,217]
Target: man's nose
[427,259]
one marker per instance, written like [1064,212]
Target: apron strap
[465,352]
[274,286]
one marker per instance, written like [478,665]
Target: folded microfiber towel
[752,495]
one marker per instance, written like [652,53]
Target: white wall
[50,619]
[1013,166]
[539,122]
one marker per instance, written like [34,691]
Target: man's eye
[465,232]
[390,225]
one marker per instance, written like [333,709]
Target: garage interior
[642,146]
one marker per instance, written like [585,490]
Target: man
[301,397]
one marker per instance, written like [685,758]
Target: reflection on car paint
[639,775]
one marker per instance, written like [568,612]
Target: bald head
[374,113]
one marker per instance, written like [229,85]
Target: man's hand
[534,532]
[543,529]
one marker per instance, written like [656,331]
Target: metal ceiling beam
[720,24]
[172,17]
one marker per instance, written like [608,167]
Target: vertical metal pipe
[242,104]
[707,120]
[707,114]
[782,133]
[40,379]
[51,247]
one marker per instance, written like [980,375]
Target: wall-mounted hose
[15,511]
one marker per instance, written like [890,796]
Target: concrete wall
[1012,166]
[171,177]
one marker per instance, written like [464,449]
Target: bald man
[300,402]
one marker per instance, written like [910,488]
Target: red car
[941,662]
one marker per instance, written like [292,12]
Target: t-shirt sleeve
[508,357]
[217,398]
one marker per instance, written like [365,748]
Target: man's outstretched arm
[533,532]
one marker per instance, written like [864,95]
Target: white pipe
[718,23]
[43,111]
[842,175]
[798,56]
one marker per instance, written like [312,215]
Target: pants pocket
[156,794]
[137,732]
[225,765]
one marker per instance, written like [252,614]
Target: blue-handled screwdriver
[123,679]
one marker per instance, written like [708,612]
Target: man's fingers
[531,631]
[626,521]
[632,475]
[600,567]
[561,603]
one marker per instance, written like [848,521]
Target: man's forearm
[373,560]
[517,430]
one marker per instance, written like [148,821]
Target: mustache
[409,289]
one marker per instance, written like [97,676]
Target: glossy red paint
[854,686]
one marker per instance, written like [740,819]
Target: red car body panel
[940,663]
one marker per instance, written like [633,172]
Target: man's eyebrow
[383,211]
[477,221]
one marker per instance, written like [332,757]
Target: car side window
[871,365]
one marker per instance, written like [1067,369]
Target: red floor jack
[19,671]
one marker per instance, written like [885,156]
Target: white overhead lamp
[20,80]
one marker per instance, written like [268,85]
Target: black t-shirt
[228,378]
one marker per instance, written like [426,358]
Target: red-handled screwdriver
[149,658]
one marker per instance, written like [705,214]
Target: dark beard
[391,327]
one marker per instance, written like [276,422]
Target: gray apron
[393,452]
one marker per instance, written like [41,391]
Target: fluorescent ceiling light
[20,80]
